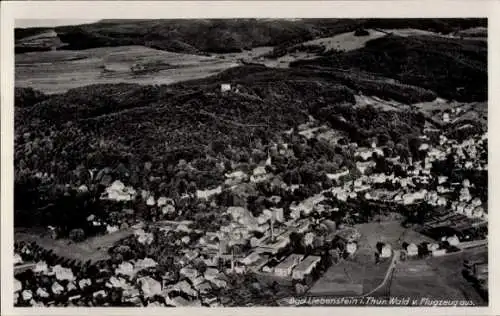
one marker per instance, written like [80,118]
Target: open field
[93,249]
[437,277]
[345,41]
[384,105]
[58,71]
[350,278]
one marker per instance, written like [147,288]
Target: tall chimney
[272,228]
[232,259]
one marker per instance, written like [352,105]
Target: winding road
[388,273]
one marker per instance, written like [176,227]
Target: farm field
[59,71]
[345,41]
[384,105]
[353,277]
[438,278]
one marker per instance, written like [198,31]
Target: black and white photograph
[250,162]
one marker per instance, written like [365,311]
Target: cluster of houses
[296,266]
[253,243]
[54,285]
[274,239]
[419,172]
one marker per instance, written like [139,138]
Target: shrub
[361,32]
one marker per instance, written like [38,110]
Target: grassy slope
[437,278]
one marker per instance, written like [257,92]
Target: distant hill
[41,40]
[228,35]
[20,33]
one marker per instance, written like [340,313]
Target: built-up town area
[238,258]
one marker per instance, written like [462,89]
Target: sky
[51,22]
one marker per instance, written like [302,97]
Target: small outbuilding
[412,250]
[225,87]
[386,251]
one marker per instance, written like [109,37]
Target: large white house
[386,251]
[412,250]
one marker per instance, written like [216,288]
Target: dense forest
[86,129]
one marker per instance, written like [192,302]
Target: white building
[57,288]
[285,268]
[351,247]
[438,252]
[424,146]
[225,87]
[259,171]
[468,211]
[442,179]
[42,293]
[279,214]
[117,191]
[432,247]
[83,283]
[305,267]
[251,258]
[63,273]
[149,286]
[150,201]
[453,240]
[17,259]
[338,175]
[111,229]
[476,202]
[206,194]
[446,117]
[386,251]
[27,295]
[478,212]
[412,250]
